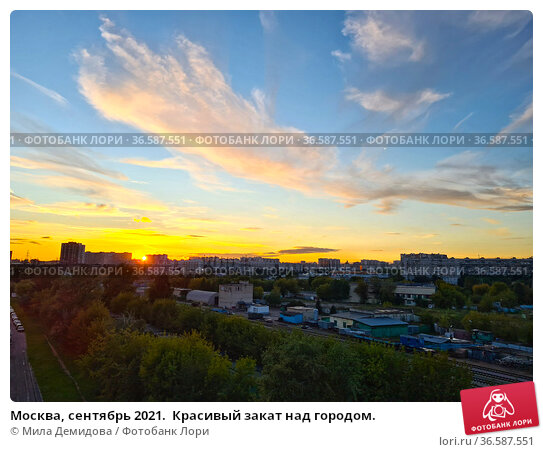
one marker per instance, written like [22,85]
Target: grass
[55,385]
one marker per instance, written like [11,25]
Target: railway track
[486,376]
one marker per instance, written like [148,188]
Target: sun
[144,258]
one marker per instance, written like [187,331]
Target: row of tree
[209,356]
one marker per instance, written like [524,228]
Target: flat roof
[381,321]
[349,315]
[415,290]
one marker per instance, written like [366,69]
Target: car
[20,328]
[17,323]
[305,327]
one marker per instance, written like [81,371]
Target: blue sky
[270,71]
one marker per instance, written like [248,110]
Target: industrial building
[371,326]
[231,294]
[346,319]
[203,297]
[411,293]
[382,327]
[308,314]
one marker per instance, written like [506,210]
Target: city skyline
[79,249]
[271,72]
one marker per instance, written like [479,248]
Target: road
[23,384]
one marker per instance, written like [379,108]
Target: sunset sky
[271,72]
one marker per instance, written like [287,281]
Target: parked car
[20,328]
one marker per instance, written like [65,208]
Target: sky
[283,71]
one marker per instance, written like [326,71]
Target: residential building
[72,253]
[107,258]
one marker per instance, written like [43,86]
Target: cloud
[427,236]
[380,38]
[268,20]
[403,106]
[181,90]
[500,232]
[18,201]
[66,208]
[21,241]
[491,220]
[61,160]
[341,56]
[462,121]
[521,121]
[142,220]
[457,224]
[306,250]
[42,89]
[251,228]
[493,20]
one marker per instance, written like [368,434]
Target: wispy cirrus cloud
[381,36]
[463,120]
[51,94]
[521,121]
[268,20]
[402,106]
[493,20]
[181,89]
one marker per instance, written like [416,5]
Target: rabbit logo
[498,406]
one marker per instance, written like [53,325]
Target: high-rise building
[72,253]
[156,259]
[107,258]
[330,263]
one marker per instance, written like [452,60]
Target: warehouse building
[382,326]
[203,297]
[347,319]
[411,293]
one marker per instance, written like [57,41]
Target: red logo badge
[498,408]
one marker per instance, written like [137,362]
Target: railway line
[482,375]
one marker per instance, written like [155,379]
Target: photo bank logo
[498,408]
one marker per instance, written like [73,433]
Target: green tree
[274,297]
[362,291]
[184,369]
[120,303]
[258,292]
[87,325]
[114,361]
[287,286]
[243,384]
[386,291]
[293,372]
[160,288]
